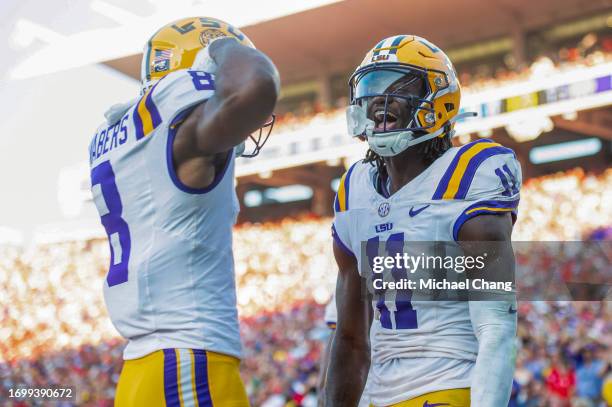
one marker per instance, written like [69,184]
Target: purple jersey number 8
[116,228]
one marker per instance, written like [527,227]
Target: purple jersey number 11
[117,230]
[405,315]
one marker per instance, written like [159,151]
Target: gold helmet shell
[175,45]
[434,111]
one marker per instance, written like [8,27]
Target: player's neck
[404,167]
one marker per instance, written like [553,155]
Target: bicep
[487,228]
[489,237]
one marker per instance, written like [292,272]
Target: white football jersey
[423,346]
[171,278]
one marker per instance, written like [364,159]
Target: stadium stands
[55,323]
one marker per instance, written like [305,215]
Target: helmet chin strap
[397,142]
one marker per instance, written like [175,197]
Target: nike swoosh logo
[435,404]
[512,310]
[414,212]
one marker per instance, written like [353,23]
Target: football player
[414,186]
[162,178]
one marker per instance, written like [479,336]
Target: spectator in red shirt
[560,382]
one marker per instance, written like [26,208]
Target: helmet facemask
[258,138]
[386,102]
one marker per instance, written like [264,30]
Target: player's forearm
[347,372]
[323,372]
[495,329]
[247,82]
[246,90]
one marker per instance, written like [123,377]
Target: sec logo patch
[383,209]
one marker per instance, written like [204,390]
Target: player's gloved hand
[203,61]
[116,111]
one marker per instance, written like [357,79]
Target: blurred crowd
[564,206]
[591,50]
[563,359]
[563,355]
[55,329]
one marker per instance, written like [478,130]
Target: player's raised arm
[350,351]
[494,322]
[246,89]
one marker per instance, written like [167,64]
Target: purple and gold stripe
[389,44]
[186,378]
[146,115]
[395,44]
[201,378]
[341,203]
[171,389]
[488,208]
[378,47]
[456,181]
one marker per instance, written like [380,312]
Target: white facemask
[388,144]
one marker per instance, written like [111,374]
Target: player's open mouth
[379,119]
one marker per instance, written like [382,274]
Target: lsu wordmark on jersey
[423,346]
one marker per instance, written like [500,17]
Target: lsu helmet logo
[435,107]
[176,45]
[380,58]
[209,35]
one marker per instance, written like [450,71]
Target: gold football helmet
[406,71]
[175,45]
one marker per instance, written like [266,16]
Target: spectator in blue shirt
[589,376]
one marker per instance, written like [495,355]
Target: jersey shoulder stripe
[485,207]
[459,175]
[341,203]
[146,114]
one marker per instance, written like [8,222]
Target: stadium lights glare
[565,151]
[529,128]
[570,115]
[289,193]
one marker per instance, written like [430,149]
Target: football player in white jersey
[413,186]
[162,176]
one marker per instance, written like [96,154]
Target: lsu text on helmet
[175,45]
[407,71]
